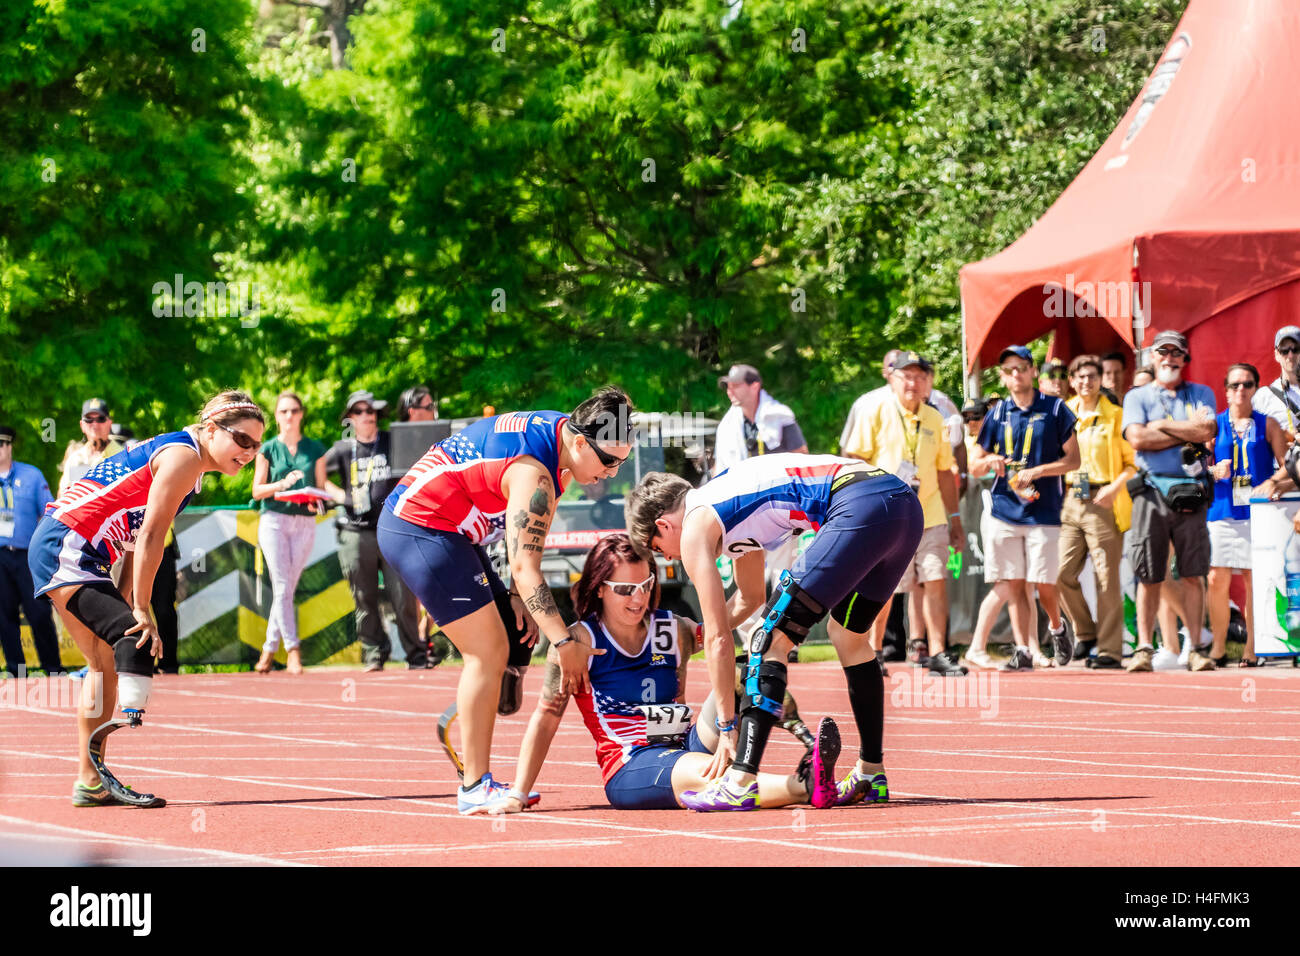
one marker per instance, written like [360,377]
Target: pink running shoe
[822,790]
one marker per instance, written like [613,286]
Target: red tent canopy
[1191,208]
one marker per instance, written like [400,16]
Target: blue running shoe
[483,797]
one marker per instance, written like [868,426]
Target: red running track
[340,768]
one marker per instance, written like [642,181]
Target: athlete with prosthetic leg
[500,477]
[868,525]
[121,510]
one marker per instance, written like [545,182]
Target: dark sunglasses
[972,418]
[1233,386]
[245,441]
[1054,374]
[94,419]
[424,408]
[1289,350]
[604,457]
[362,410]
[6,441]
[1170,350]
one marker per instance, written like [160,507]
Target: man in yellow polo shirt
[1094,517]
[905,436]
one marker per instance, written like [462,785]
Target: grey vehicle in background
[676,443]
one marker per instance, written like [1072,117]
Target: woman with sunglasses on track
[121,510]
[648,750]
[500,477]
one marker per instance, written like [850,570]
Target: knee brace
[856,613]
[518,657]
[765,687]
[790,609]
[100,607]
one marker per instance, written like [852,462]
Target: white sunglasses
[626,589]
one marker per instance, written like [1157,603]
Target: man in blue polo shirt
[23,497]
[1027,440]
[1168,423]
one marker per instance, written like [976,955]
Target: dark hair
[605,417]
[1254,372]
[1080,361]
[1116,357]
[230,406]
[658,494]
[288,394]
[410,398]
[599,568]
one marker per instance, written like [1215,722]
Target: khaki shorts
[1029,552]
[930,563]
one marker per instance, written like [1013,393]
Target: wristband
[724,728]
[567,640]
[955,514]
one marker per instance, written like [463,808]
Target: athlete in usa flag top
[120,511]
[500,477]
[868,525]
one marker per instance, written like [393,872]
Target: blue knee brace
[791,610]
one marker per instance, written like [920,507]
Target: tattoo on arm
[541,603]
[553,699]
[540,504]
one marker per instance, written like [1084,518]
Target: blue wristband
[724,728]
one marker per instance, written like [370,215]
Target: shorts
[645,782]
[1230,544]
[449,574]
[1021,552]
[930,563]
[57,556]
[870,536]
[1155,525]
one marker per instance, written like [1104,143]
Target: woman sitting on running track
[121,509]
[499,477]
[635,709]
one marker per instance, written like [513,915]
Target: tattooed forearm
[541,603]
[553,698]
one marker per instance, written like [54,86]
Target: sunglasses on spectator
[362,410]
[424,408]
[973,417]
[247,442]
[6,441]
[1015,369]
[1233,386]
[627,589]
[1288,349]
[1169,351]
[94,419]
[1054,374]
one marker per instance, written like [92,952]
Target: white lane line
[1004,755]
[79,834]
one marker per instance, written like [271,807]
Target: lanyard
[1283,391]
[6,494]
[1171,404]
[910,446]
[1239,441]
[1009,444]
[369,470]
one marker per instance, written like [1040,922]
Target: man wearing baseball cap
[905,436]
[1168,423]
[99,443]
[23,497]
[360,459]
[756,423]
[1280,399]
[1027,440]
[864,402]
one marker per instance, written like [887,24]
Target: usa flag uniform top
[760,502]
[456,486]
[106,506]
[620,681]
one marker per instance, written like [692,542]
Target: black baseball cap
[739,375]
[1052,365]
[1019,351]
[908,359]
[95,406]
[7,433]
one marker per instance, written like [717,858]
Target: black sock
[472,785]
[756,723]
[867,698]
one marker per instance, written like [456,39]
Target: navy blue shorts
[57,555]
[871,533]
[645,782]
[449,574]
